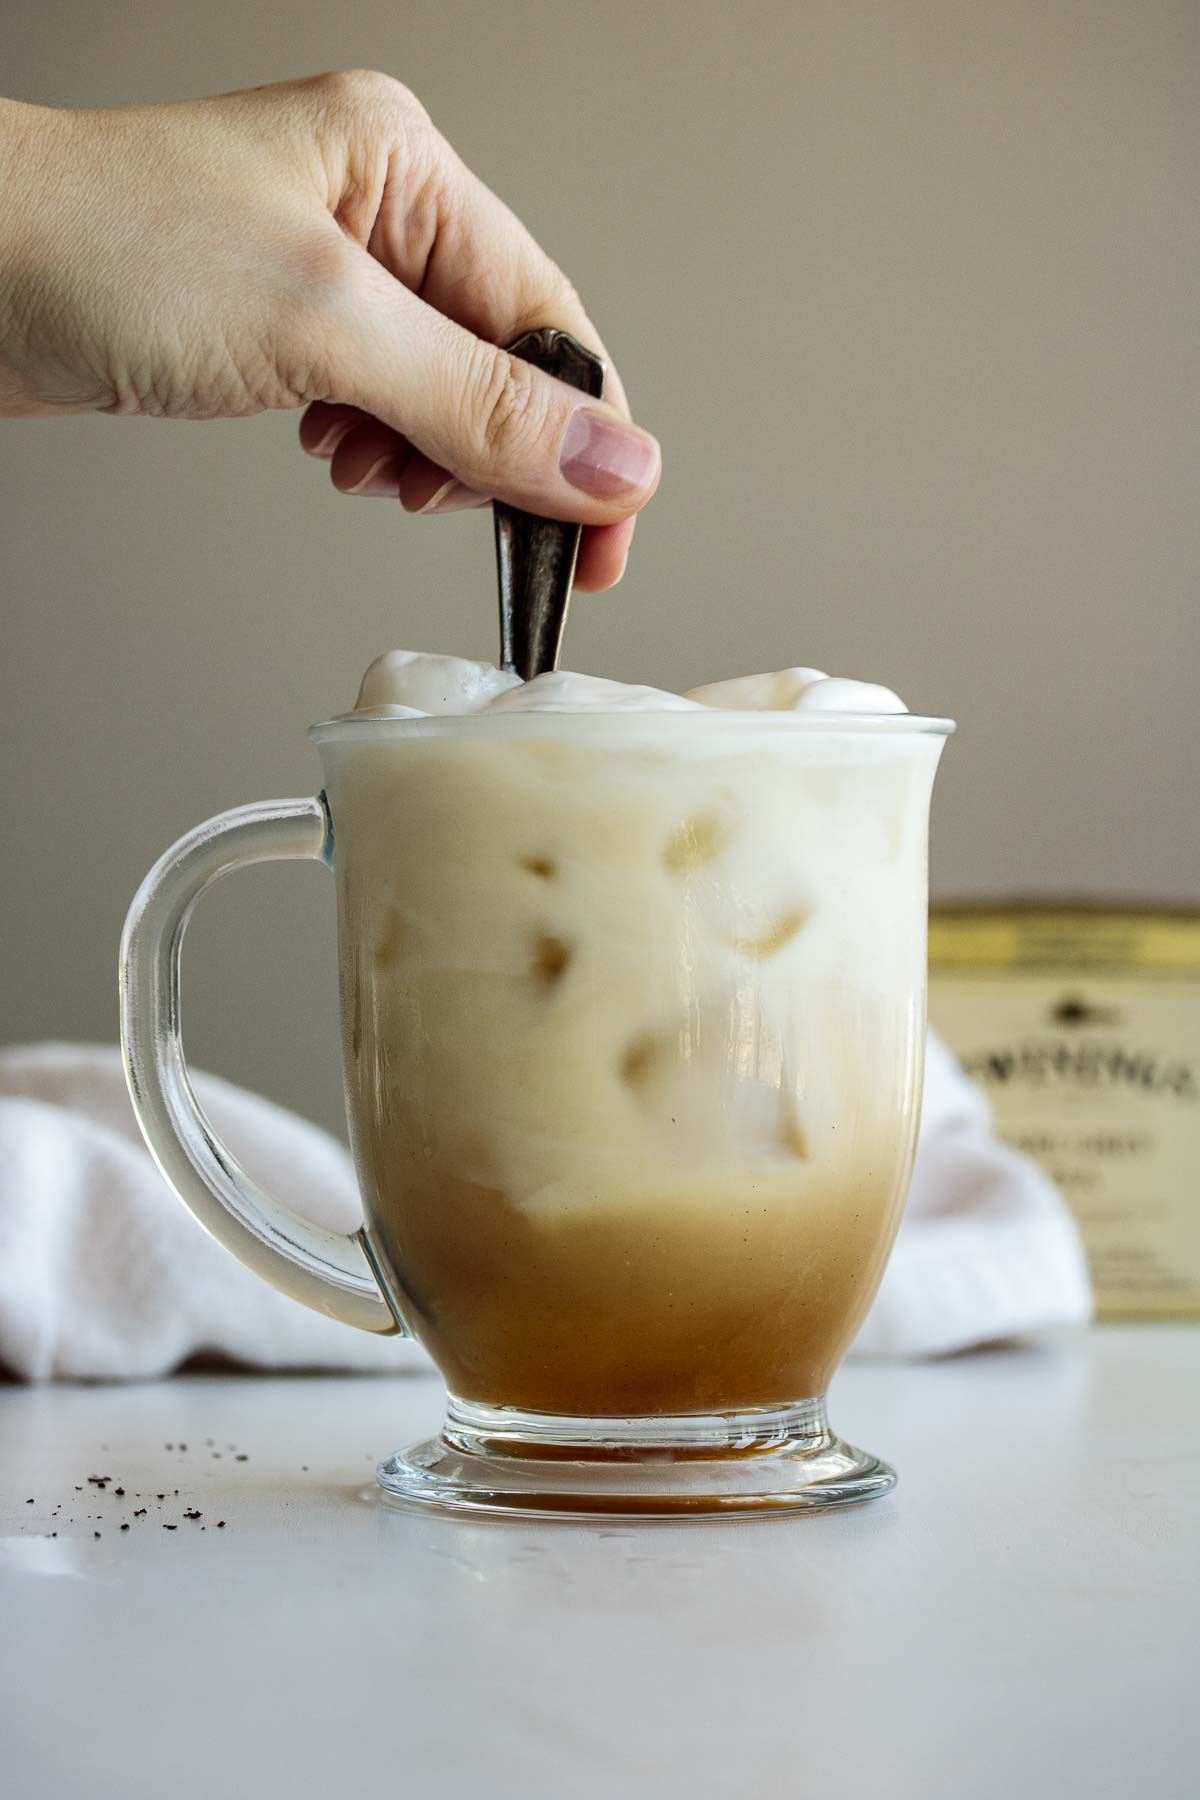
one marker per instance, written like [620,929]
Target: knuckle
[372,91]
[507,412]
[551,299]
[563,295]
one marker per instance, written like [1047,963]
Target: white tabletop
[1020,1618]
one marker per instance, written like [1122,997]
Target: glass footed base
[770,1460]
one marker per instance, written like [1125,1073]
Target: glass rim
[596,722]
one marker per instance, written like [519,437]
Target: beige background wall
[908,291]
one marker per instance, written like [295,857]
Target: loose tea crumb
[29,1503]
[170,1528]
[139,1512]
[118,1490]
[191,1513]
[125,1526]
[95,1534]
[241,1457]
[220,1524]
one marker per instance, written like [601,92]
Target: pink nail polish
[604,457]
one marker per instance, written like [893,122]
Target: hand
[312,243]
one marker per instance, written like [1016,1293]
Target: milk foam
[411,684]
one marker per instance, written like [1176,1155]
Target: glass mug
[633,1014]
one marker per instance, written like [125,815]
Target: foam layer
[411,684]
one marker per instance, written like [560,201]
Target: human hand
[313,243]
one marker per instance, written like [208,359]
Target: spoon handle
[535,557]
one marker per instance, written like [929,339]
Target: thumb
[502,427]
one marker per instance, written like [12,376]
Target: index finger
[448,237]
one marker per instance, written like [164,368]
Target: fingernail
[606,458]
[452,496]
[383,477]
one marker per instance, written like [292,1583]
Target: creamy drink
[632,998]
[633,1014]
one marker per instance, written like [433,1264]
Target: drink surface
[633,1022]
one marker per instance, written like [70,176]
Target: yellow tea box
[1083,1027]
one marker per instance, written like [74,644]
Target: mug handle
[326,1270]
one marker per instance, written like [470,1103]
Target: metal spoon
[535,557]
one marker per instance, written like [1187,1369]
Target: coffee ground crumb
[95,1534]
[125,1526]
[169,1528]
[220,1524]
[191,1513]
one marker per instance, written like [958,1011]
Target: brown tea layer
[636,1311]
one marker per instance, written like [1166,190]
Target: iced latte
[633,992]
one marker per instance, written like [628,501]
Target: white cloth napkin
[104,1275]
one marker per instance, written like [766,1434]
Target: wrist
[33,153]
